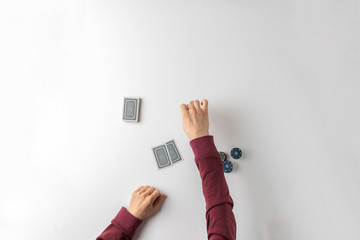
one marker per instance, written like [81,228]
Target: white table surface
[282,80]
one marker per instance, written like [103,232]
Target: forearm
[122,227]
[220,218]
[208,161]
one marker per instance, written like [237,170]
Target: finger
[139,188]
[159,201]
[149,191]
[184,109]
[191,105]
[144,189]
[154,195]
[205,104]
[197,105]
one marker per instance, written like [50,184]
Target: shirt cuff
[203,146]
[128,221]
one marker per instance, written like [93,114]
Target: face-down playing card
[131,109]
[173,151]
[161,156]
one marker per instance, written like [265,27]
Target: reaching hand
[145,201]
[195,119]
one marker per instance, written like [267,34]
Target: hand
[195,119]
[145,201]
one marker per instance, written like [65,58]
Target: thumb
[158,202]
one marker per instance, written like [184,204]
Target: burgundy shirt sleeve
[220,218]
[122,227]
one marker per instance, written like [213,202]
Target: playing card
[173,151]
[161,156]
[131,109]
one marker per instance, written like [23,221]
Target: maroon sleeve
[220,218]
[122,227]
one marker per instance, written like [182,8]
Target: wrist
[135,214]
[204,146]
[127,221]
[199,135]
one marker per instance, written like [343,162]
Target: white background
[282,80]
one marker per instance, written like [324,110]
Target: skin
[195,119]
[147,200]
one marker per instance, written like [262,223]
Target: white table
[282,80]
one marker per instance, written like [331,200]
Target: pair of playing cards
[166,154]
[131,109]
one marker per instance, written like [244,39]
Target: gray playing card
[173,151]
[161,156]
[131,109]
